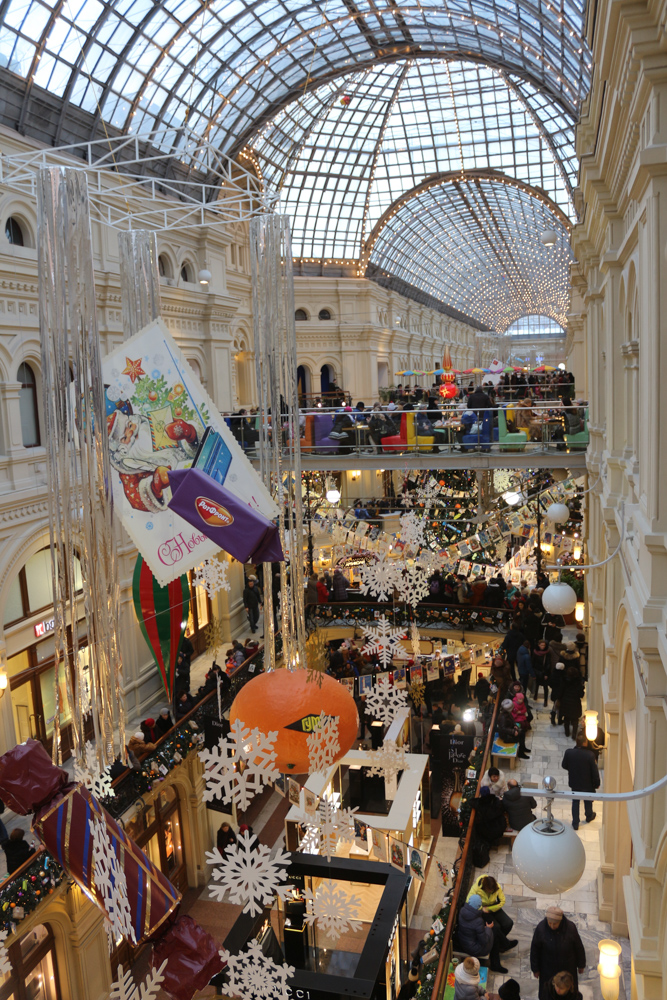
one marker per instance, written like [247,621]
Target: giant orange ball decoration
[286,701]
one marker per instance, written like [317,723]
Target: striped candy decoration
[162,614]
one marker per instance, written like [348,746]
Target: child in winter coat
[520,711]
[466,980]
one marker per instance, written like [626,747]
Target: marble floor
[547,744]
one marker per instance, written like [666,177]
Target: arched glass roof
[223,66]
[474,244]
[341,165]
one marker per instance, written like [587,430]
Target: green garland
[427,972]
[20,895]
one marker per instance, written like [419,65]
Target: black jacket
[506,727]
[519,808]
[163,725]
[512,641]
[17,852]
[474,937]
[225,839]
[556,681]
[479,400]
[490,823]
[582,771]
[251,597]
[556,951]
[571,693]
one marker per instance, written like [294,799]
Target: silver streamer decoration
[275,364]
[139,279]
[80,498]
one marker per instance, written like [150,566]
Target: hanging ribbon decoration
[162,613]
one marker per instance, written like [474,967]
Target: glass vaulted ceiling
[222,66]
[341,166]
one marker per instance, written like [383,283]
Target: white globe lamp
[559,513]
[333,495]
[548,855]
[549,237]
[559,599]
[204,276]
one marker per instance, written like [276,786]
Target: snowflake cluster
[334,911]
[109,879]
[379,578]
[249,873]
[427,494]
[382,639]
[240,765]
[89,775]
[253,976]
[385,702]
[412,529]
[415,639]
[387,760]
[412,584]
[334,826]
[125,989]
[212,574]
[323,744]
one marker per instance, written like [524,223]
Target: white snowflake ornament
[254,976]
[385,702]
[412,584]
[382,639]
[334,911]
[240,765]
[427,494]
[212,574]
[379,578]
[125,989]
[89,775]
[323,744]
[109,879]
[412,529]
[249,873]
[387,760]
[335,826]
[5,964]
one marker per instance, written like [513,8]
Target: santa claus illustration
[142,468]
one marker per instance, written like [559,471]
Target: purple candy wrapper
[229,522]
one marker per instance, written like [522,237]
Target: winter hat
[480,674]
[391,405]
[560,666]
[570,647]
[149,722]
[138,735]
[475,901]
[484,790]
[580,637]
[509,990]
[507,703]
[164,712]
[348,409]
[471,965]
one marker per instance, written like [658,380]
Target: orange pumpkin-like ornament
[284,700]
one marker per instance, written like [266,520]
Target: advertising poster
[397,854]
[159,420]
[456,750]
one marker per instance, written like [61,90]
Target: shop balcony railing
[462,617]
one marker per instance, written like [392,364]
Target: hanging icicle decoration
[275,365]
[80,501]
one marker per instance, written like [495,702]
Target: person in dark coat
[163,723]
[556,680]
[570,699]
[151,735]
[17,851]
[184,705]
[340,585]
[474,929]
[582,776]
[519,808]
[490,823]
[226,838]
[482,689]
[561,987]
[556,947]
[252,603]
[542,668]
[513,639]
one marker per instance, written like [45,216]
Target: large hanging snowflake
[249,873]
[323,744]
[415,640]
[254,976]
[109,879]
[212,574]
[125,988]
[5,964]
[378,578]
[427,494]
[382,639]
[240,765]
[412,584]
[89,775]
[412,529]
[334,826]
[387,760]
[385,702]
[334,911]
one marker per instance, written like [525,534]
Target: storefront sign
[43,628]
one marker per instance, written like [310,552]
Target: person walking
[340,585]
[556,947]
[570,699]
[582,776]
[556,681]
[252,603]
[514,638]
[525,669]
[542,668]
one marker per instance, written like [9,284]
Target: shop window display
[34,974]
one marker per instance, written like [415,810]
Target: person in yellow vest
[493,901]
